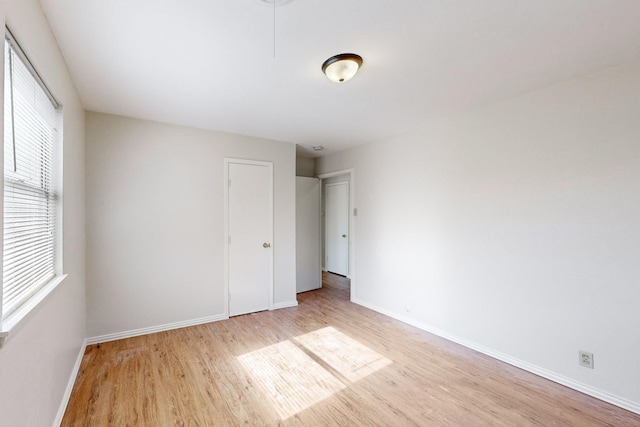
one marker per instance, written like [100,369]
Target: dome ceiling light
[343,67]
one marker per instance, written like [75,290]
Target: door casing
[337,223]
[353,218]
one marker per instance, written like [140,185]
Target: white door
[250,260]
[308,234]
[337,228]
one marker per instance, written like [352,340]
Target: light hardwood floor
[325,362]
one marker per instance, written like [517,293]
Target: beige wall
[37,360]
[305,167]
[514,229]
[155,234]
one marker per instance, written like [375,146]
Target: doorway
[337,228]
[249,220]
[344,175]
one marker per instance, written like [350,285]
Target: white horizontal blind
[29,258]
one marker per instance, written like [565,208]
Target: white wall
[37,360]
[155,233]
[514,228]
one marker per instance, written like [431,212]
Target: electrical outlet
[585,359]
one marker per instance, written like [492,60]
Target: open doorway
[337,228]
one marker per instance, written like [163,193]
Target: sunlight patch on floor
[344,354]
[294,381]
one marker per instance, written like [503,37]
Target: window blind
[29,247]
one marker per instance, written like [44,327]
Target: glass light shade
[343,67]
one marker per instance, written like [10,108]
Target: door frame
[326,220]
[352,219]
[269,165]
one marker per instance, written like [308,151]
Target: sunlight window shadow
[293,380]
[347,356]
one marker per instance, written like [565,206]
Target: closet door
[250,231]
[308,235]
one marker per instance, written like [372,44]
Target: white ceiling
[210,63]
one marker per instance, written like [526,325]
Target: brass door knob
[266,245]
[344,235]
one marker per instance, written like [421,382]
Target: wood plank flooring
[327,362]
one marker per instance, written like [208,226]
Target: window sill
[15,318]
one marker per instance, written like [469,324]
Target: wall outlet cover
[585,359]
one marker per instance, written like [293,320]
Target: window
[30,255]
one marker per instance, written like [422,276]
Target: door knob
[344,235]
[266,245]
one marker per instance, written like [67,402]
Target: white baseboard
[286,304]
[550,375]
[72,380]
[170,326]
[154,329]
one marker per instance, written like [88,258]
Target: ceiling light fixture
[318,148]
[343,67]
